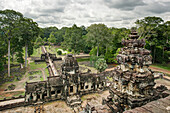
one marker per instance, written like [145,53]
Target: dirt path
[110,69]
[152,68]
[159,69]
[43,73]
[18,87]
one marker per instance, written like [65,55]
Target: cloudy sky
[113,13]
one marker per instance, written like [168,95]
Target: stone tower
[133,81]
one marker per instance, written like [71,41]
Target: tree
[117,35]
[73,39]
[45,32]
[3,47]
[8,20]
[166,34]
[28,30]
[148,28]
[59,35]
[52,39]
[98,34]
[38,43]
[100,64]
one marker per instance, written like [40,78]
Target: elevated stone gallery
[68,86]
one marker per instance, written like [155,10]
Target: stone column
[34,96]
[41,96]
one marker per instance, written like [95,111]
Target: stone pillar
[34,96]
[41,96]
[48,92]
[74,89]
[27,97]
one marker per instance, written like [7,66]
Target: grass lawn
[37,52]
[83,59]
[51,49]
[10,94]
[46,72]
[163,66]
[33,65]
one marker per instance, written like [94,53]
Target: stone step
[77,109]
[74,101]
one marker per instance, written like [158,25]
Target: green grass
[36,66]
[11,94]
[58,48]
[110,79]
[83,59]
[41,78]
[83,98]
[162,66]
[37,52]
[46,72]
[51,49]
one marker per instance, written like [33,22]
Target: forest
[19,36]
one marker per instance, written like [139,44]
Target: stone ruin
[133,82]
[69,85]
[132,85]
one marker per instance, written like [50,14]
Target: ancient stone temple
[133,81]
[69,85]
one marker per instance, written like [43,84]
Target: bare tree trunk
[8,57]
[26,50]
[97,50]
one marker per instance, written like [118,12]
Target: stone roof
[55,81]
[31,87]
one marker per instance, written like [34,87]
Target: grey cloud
[82,2]
[1,5]
[44,14]
[118,13]
[69,18]
[127,17]
[124,4]
[153,8]
[158,7]
[125,22]
[95,20]
[112,19]
[51,10]
[48,21]
[86,15]
[30,15]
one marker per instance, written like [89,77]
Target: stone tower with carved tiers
[133,81]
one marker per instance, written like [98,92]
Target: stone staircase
[74,102]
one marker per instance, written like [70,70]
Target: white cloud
[113,13]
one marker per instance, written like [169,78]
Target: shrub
[20,58]
[109,57]
[100,64]
[93,60]
[115,55]
[59,52]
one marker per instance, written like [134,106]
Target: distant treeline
[98,39]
